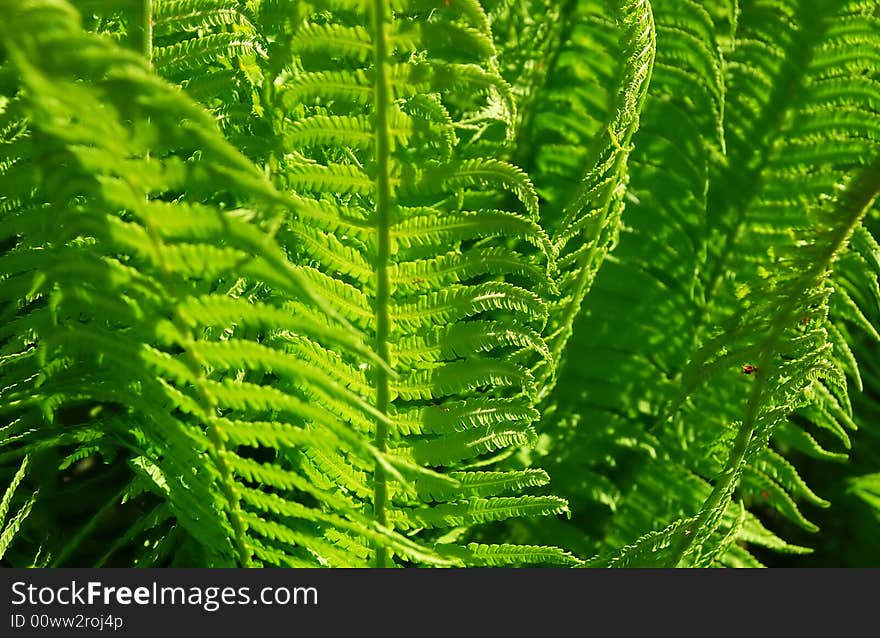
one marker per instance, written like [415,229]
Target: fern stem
[383,287]
[855,202]
[142,29]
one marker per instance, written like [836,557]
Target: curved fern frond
[789,359]
[10,525]
[675,384]
[576,145]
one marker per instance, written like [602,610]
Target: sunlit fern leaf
[153,335]
[407,238]
[510,555]
[210,48]
[644,552]
[328,332]
[789,359]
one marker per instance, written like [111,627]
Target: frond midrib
[382,92]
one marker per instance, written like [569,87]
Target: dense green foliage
[441,283]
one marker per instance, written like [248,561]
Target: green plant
[348,282]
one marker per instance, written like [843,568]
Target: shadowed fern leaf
[748,226]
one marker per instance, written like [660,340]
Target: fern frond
[389,142]
[171,269]
[478,510]
[9,526]
[507,555]
[344,283]
[667,289]
[585,222]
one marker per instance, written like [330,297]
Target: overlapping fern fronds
[347,282]
[712,321]
[274,435]
[139,297]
